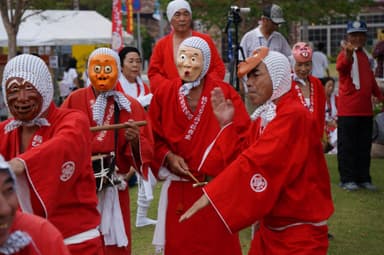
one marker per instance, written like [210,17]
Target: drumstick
[198,183]
[117,126]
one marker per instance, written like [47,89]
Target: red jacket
[162,66]
[353,102]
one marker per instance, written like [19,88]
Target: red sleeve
[46,238]
[248,188]
[146,142]
[161,148]
[70,145]
[161,57]
[231,139]
[343,65]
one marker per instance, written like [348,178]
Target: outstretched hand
[197,206]
[222,107]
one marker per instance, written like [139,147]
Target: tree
[12,14]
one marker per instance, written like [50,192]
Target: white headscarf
[98,109]
[197,43]
[280,73]
[35,71]
[176,5]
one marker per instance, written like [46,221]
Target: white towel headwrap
[280,73]
[197,43]
[176,5]
[33,70]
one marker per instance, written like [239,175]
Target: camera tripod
[233,45]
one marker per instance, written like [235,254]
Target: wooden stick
[117,126]
[198,183]
[192,176]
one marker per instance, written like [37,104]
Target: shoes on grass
[368,186]
[350,186]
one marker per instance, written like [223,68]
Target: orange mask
[103,72]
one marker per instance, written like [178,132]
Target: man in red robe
[162,66]
[48,149]
[23,233]
[270,181]
[132,146]
[184,126]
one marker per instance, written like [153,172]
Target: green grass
[357,224]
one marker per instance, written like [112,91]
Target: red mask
[24,101]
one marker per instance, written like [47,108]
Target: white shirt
[254,39]
[319,64]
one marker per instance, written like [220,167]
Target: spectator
[265,34]
[378,54]
[130,83]
[39,130]
[275,179]
[357,84]
[70,81]
[320,62]
[162,65]
[330,116]
[23,233]
[179,150]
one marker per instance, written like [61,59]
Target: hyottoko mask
[190,63]
[103,72]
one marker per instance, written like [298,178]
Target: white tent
[62,27]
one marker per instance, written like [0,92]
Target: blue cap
[356,26]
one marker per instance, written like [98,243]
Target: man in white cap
[24,233]
[162,66]
[124,148]
[184,126]
[48,149]
[269,181]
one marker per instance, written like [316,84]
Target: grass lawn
[357,224]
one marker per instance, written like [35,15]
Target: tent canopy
[62,27]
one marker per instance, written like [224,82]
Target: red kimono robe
[275,181]
[103,143]
[317,99]
[46,239]
[162,66]
[188,134]
[59,183]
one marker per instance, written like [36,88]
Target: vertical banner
[129,17]
[136,5]
[117,28]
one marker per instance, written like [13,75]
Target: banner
[136,5]
[129,7]
[117,28]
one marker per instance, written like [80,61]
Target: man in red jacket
[357,84]
[162,67]
[48,149]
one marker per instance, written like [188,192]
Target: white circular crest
[258,183]
[356,24]
[67,170]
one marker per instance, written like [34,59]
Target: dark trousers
[354,140]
